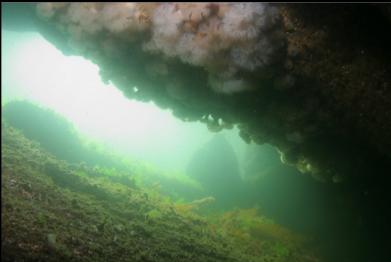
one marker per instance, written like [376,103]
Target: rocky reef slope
[53,211]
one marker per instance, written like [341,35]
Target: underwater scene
[247,132]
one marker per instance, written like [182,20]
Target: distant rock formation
[215,166]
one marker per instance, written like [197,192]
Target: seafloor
[56,211]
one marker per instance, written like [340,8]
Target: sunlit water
[34,70]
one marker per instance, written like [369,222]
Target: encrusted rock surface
[312,80]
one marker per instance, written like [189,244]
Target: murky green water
[89,175]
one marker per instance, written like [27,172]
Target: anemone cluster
[224,39]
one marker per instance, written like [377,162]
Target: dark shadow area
[346,219]
[351,27]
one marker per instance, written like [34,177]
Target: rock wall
[312,80]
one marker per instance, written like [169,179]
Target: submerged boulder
[216,167]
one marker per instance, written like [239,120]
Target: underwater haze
[35,71]
[194,132]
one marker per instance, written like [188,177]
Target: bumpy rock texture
[314,82]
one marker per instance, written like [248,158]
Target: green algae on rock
[44,219]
